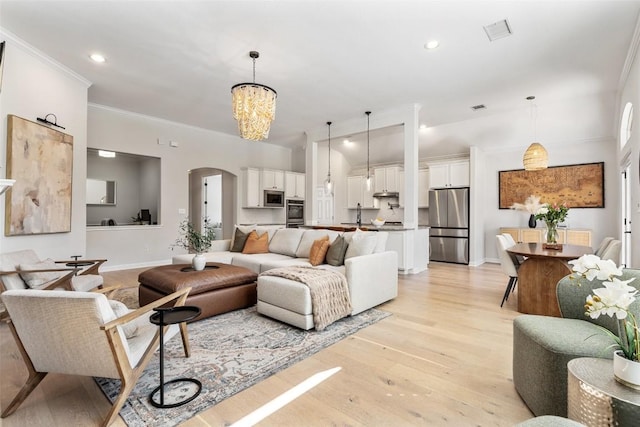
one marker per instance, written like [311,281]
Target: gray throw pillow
[239,240]
[335,254]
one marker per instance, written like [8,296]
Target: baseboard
[136,265]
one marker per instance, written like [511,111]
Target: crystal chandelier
[254,106]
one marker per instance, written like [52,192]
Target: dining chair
[612,251]
[511,242]
[79,333]
[603,245]
[509,265]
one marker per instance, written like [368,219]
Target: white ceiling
[332,60]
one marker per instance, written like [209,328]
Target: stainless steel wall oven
[295,213]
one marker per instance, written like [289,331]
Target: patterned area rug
[229,353]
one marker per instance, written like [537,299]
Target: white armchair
[78,333]
[23,270]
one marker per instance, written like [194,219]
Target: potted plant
[196,242]
[614,300]
[532,206]
[552,215]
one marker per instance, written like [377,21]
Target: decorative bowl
[378,222]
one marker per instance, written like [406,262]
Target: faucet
[359,215]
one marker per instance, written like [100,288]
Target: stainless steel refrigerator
[449,222]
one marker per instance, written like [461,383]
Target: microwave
[273,199]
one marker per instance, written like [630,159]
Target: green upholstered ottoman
[549,421]
[542,347]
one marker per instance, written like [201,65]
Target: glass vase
[552,233]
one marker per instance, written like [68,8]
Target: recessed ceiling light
[107,154]
[96,57]
[432,44]
[423,127]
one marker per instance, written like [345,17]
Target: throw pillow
[239,240]
[119,309]
[37,280]
[244,229]
[256,244]
[336,252]
[361,244]
[318,251]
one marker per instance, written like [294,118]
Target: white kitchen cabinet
[423,188]
[451,174]
[252,188]
[272,179]
[386,179]
[294,185]
[357,193]
[412,247]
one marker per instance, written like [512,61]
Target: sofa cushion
[244,231]
[309,237]
[286,262]
[381,241]
[336,251]
[255,244]
[319,251]
[254,261]
[37,280]
[286,241]
[269,229]
[361,244]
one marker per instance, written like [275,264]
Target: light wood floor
[443,358]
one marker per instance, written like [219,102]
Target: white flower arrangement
[531,205]
[613,300]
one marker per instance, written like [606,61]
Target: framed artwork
[40,159]
[579,186]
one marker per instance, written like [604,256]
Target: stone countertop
[351,226]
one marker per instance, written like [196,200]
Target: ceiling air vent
[478,107]
[498,30]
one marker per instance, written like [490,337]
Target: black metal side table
[164,317]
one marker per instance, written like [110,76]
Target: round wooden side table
[595,398]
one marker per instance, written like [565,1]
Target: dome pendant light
[536,157]
[368,173]
[327,182]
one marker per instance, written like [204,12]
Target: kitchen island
[411,245]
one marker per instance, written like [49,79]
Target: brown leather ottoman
[217,289]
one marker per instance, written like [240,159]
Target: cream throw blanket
[329,291]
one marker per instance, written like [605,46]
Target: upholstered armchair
[543,345]
[79,333]
[24,270]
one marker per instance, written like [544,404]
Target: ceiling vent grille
[478,107]
[498,30]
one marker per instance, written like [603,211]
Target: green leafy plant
[193,240]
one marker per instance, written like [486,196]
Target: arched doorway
[222,201]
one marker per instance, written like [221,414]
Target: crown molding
[26,47]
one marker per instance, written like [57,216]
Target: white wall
[197,148]
[631,93]
[34,86]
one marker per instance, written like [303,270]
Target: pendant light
[368,174]
[254,106]
[327,182]
[536,157]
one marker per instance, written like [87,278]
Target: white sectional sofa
[372,277]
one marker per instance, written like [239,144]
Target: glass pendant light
[327,182]
[368,172]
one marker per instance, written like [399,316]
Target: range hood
[394,194]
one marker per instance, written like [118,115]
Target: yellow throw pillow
[255,244]
[318,250]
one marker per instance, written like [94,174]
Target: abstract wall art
[40,159]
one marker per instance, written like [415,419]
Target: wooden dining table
[539,274]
